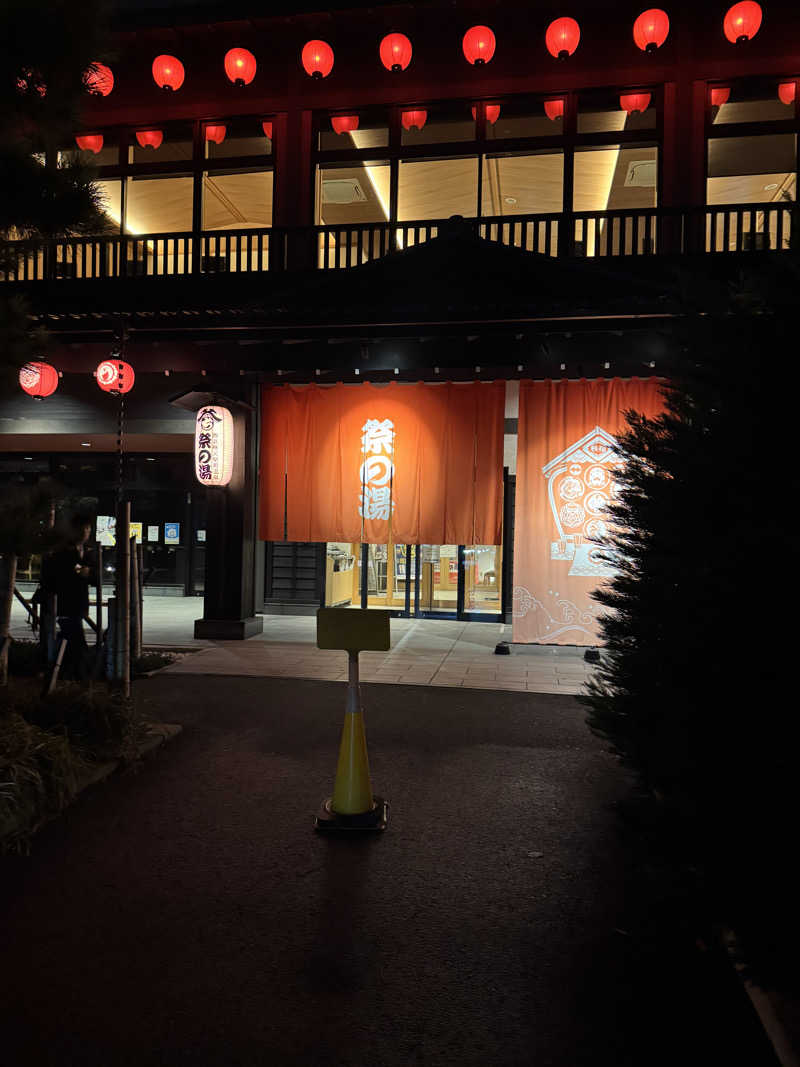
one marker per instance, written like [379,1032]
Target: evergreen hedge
[695,692]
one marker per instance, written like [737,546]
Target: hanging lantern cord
[120,445]
[118,354]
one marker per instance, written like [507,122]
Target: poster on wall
[136,531]
[567,461]
[106,527]
[152,533]
[172,533]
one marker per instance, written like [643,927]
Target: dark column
[294,188]
[229,603]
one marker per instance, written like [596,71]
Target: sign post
[353,805]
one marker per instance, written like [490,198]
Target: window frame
[194,167]
[567,141]
[762,128]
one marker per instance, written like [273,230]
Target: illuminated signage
[213,445]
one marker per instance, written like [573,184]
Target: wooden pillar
[293,205]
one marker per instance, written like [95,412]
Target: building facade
[531,221]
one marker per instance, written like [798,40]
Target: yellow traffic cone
[352,790]
[352,806]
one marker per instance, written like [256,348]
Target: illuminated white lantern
[213,445]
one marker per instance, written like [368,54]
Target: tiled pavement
[424,652]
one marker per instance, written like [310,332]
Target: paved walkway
[187,915]
[424,652]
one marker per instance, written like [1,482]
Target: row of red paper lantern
[554,109]
[650,30]
[93,142]
[41,379]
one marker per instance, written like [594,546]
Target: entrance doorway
[417,581]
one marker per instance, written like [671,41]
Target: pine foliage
[46,47]
[694,692]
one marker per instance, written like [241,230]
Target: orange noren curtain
[565,465]
[339,463]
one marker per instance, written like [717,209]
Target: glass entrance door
[383,578]
[483,574]
[438,581]
[426,581]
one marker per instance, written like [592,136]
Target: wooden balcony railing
[600,234]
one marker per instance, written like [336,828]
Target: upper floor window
[181,177]
[751,161]
[753,100]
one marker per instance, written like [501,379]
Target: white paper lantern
[213,445]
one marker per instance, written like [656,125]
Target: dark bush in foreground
[695,692]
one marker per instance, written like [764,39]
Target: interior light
[86,444]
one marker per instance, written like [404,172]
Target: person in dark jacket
[67,574]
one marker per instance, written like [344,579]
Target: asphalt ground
[188,914]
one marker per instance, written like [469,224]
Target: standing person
[67,574]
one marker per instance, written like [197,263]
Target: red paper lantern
[395,51]
[787,92]
[168,73]
[216,134]
[99,79]
[478,44]
[240,66]
[554,109]
[562,37]
[344,123]
[266,126]
[413,118]
[38,379]
[633,102]
[149,138]
[720,97]
[90,142]
[115,376]
[492,113]
[317,58]
[742,22]
[651,28]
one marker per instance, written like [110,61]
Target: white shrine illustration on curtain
[580,486]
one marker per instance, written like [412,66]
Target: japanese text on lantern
[377,470]
[213,448]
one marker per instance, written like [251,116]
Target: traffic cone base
[329,821]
